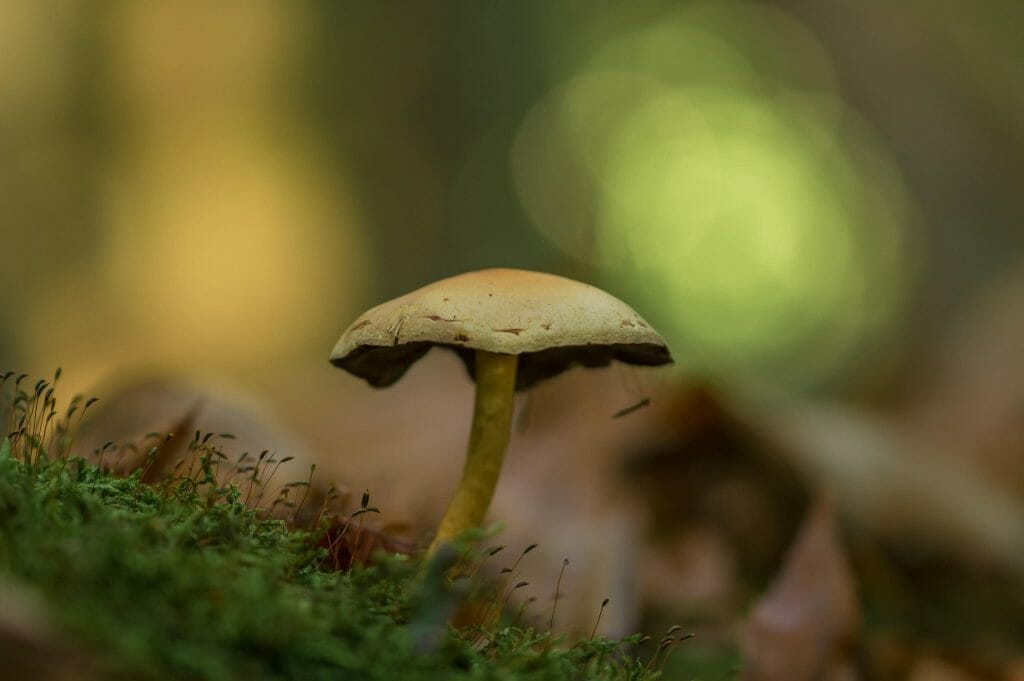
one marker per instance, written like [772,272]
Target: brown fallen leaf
[30,648]
[935,668]
[970,395]
[899,487]
[148,422]
[711,482]
[807,625]
[1015,670]
[348,543]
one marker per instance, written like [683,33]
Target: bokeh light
[753,214]
[226,238]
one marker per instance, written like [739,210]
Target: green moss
[181,580]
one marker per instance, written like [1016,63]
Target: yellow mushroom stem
[488,440]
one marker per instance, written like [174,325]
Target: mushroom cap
[551,322]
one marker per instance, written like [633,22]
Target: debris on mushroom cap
[551,322]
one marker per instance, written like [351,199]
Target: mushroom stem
[488,440]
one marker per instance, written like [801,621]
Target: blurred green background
[800,195]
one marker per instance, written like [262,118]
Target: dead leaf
[934,668]
[807,625]
[895,486]
[712,476]
[150,421]
[30,647]
[971,394]
[349,543]
[1015,670]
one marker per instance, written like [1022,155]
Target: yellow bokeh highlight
[228,240]
[225,251]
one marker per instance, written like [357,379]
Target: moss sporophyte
[179,578]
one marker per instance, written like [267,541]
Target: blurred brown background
[817,203]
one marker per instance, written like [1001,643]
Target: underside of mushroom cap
[551,322]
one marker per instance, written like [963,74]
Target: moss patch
[182,579]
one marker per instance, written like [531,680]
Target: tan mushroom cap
[551,322]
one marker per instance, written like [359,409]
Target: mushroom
[512,328]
